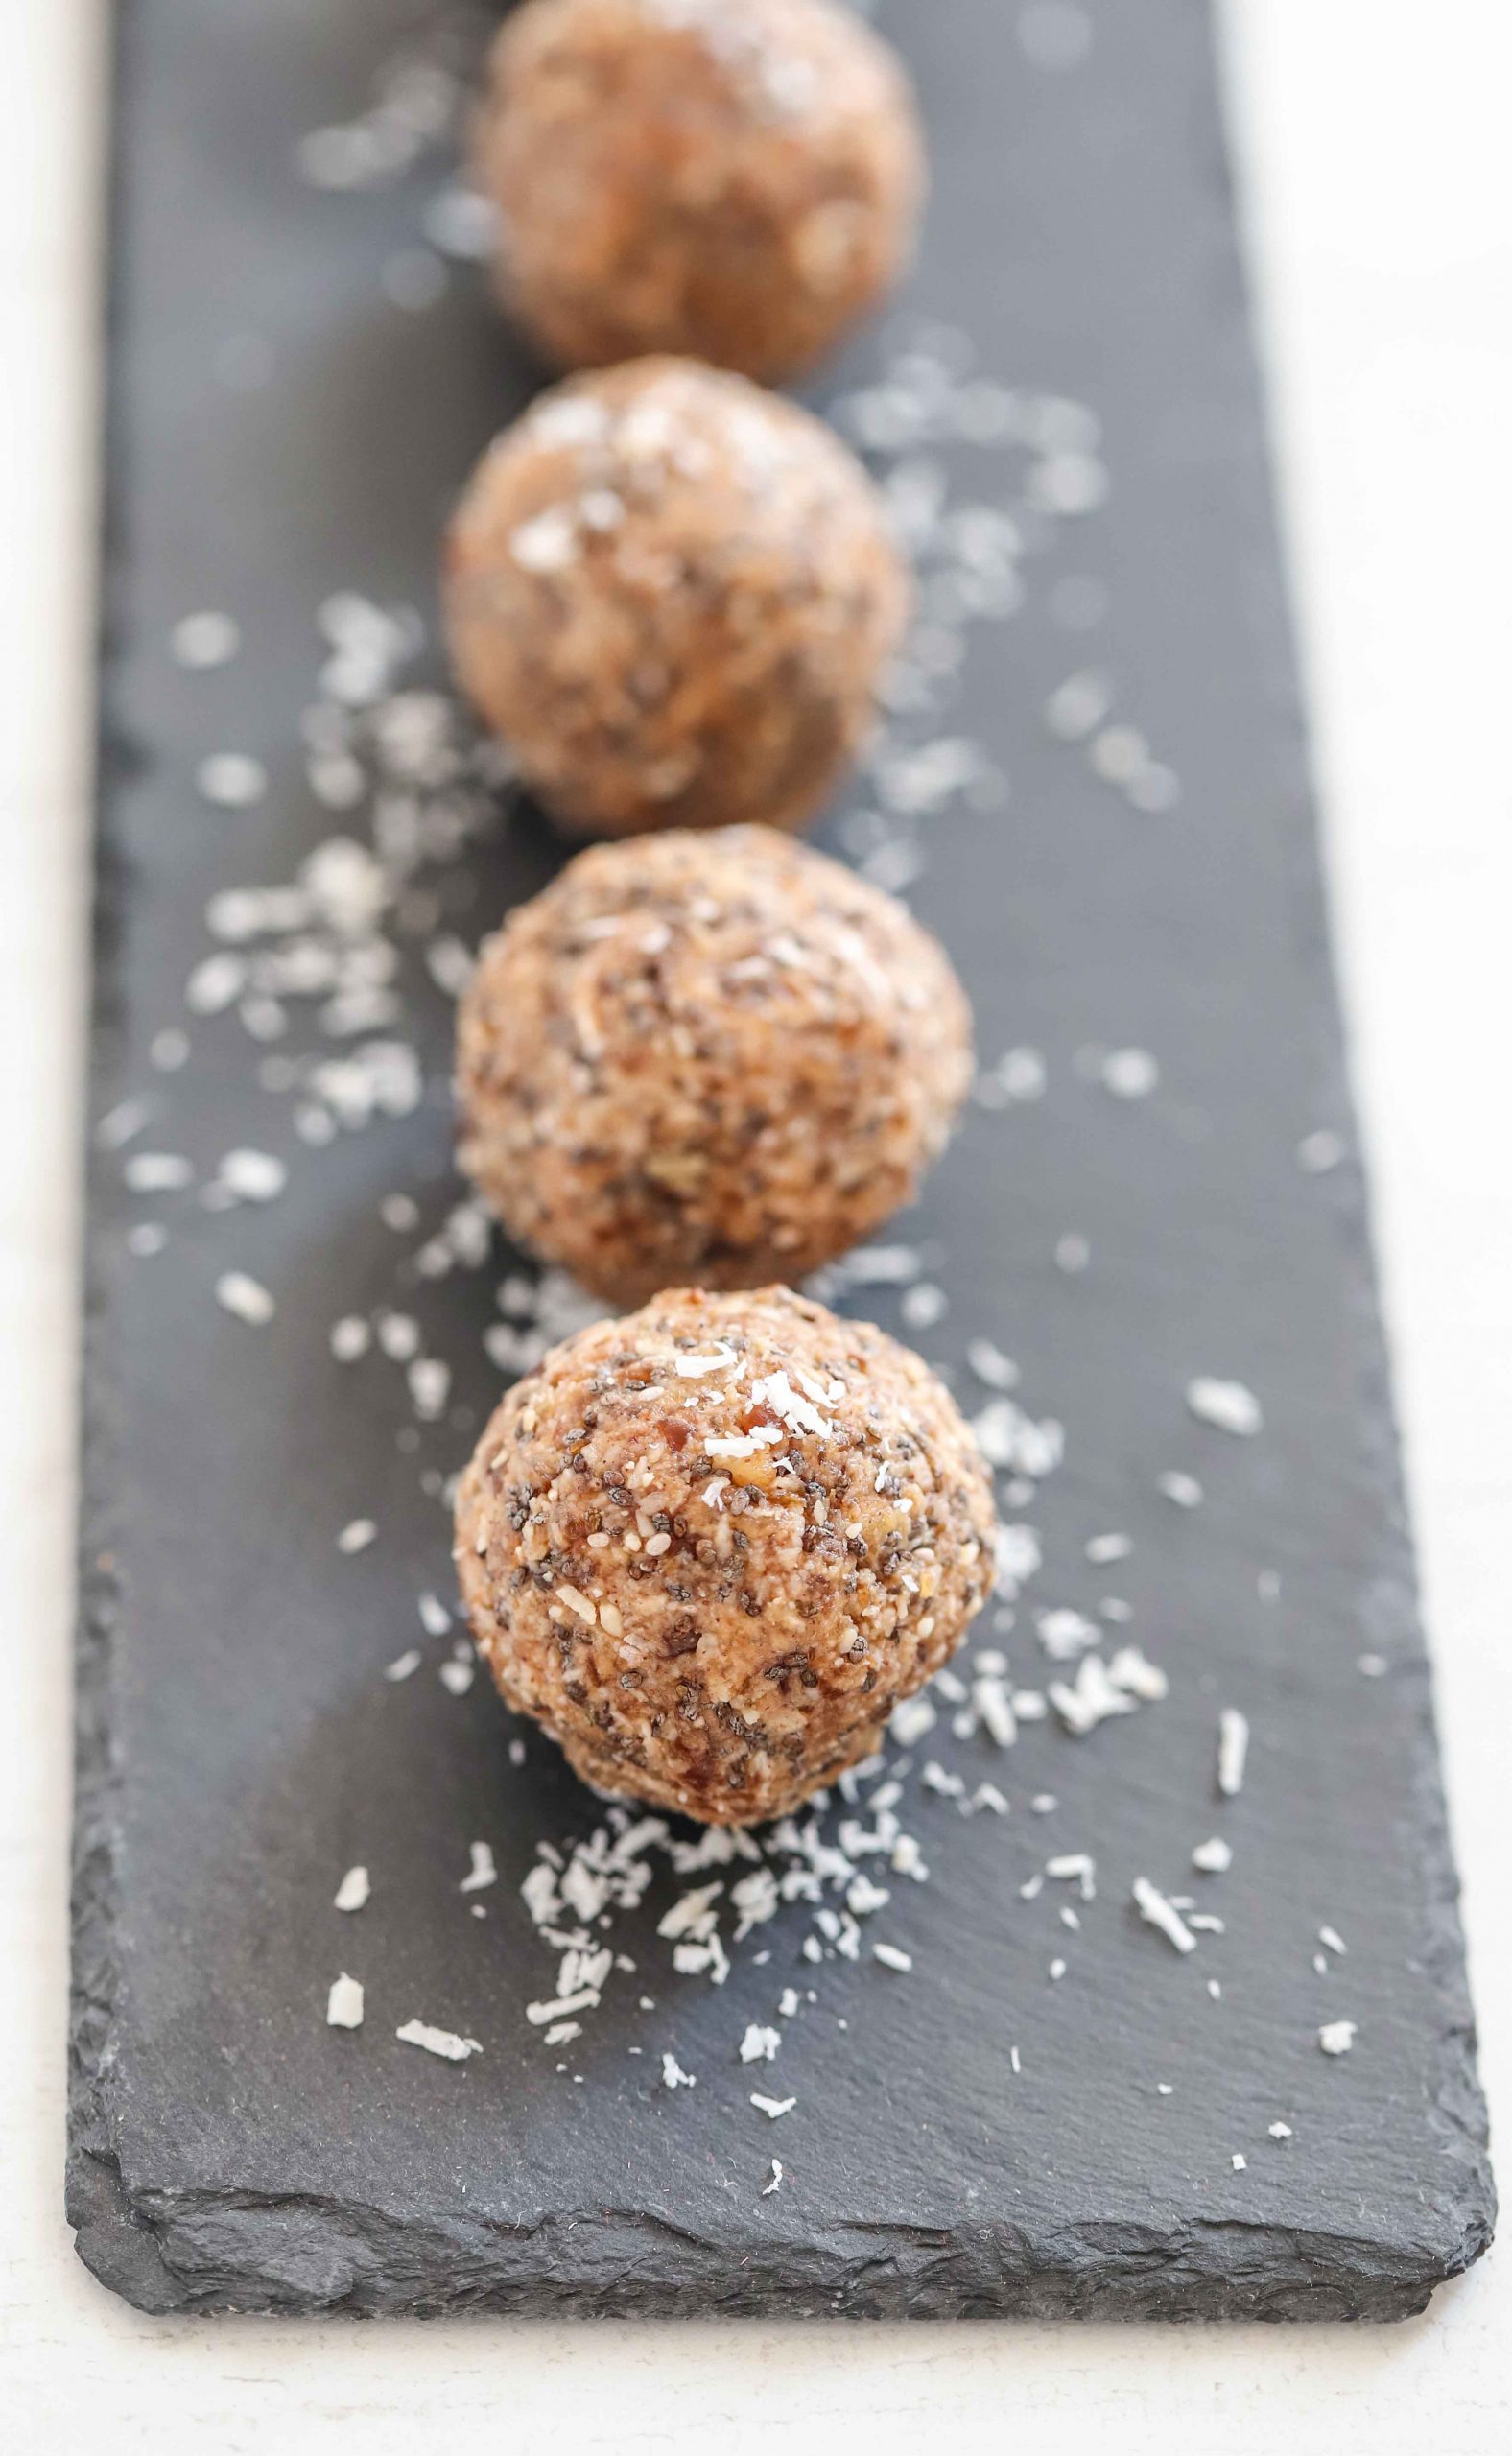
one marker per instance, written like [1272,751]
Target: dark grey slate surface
[237,1748]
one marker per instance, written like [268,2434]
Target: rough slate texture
[237,1747]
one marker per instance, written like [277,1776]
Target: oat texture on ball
[672,595]
[711,1545]
[736,179]
[716,1057]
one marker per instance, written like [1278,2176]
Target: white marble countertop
[1378,178]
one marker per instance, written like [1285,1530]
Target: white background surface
[1379,181]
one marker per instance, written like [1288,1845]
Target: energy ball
[710,1547]
[672,595]
[736,179]
[719,1058]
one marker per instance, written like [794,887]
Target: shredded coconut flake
[244,1297]
[548,543]
[1155,1908]
[231,780]
[443,2042]
[1227,1404]
[1233,1751]
[718,1360]
[253,1176]
[201,641]
[344,2006]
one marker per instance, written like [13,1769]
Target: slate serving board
[282,429]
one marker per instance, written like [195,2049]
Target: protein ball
[720,1058]
[710,1546]
[736,179]
[672,595]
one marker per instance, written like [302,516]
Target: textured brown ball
[720,1058]
[710,1546]
[672,595]
[737,180]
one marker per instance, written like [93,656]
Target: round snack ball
[737,180]
[719,1058]
[672,594]
[710,1546]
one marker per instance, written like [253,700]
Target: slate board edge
[164,2250]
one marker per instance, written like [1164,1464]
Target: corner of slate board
[225,2151]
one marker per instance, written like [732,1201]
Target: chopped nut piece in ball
[672,595]
[737,180]
[711,1545]
[714,1057]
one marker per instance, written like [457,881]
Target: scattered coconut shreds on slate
[1233,1751]
[1336,2038]
[1318,1153]
[245,1298]
[201,641]
[344,2006]
[326,975]
[169,1050]
[1155,1908]
[250,1176]
[157,1173]
[443,2042]
[1100,1549]
[1227,1404]
[231,779]
[121,1125]
[1129,1074]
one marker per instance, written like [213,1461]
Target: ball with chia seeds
[719,1058]
[672,595]
[736,179]
[711,1545]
